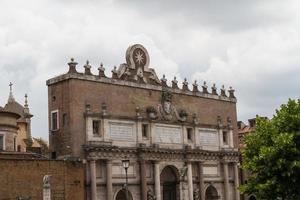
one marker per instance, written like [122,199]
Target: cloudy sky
[252,45]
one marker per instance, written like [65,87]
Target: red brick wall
[24,178]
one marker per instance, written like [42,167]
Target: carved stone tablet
[209,139]
[212,170]
[168,134]
[121,131]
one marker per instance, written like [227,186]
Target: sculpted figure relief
[167,111]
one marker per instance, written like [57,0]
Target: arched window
[211,193]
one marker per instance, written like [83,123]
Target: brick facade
[23,178]
[191,132]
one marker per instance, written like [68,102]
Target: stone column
[236,181]
[190,180]
[93,179]
[143,179]
[157,180]
[201,181]
[108,180]
[226,181]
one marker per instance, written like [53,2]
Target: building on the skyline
[15,128]
[182,143]
[23,164]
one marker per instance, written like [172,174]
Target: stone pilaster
[109,180]
[190,181]
[93,180]
[231,138]
[143,179]
[221,137]
[157,180]
[236,181]
[226,181]
[201,181]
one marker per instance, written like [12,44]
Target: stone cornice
[105,80]
[156,153]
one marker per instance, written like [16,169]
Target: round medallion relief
[139,57]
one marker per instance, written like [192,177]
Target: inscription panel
[209,139]
[121,131]
[212,170]
[168,134]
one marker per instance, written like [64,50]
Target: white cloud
[251,45]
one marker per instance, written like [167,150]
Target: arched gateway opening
[169,183]
[211,193]
[121,195]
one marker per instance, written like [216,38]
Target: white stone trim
[57,120]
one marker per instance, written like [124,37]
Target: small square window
[189,132]
[225,137]
[96,127]
[54,120]
[145,130]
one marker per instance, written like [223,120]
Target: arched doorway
[169,183]
[211,193]
[121,195]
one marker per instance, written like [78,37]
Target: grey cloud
[229,15]
[251,45]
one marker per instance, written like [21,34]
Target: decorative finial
[214,89]
[219,121]
[204,88]
[104,109]
[101,70]
[231,92]
[114,73]
[11,96]
[72,66]
[223,91]
[26,108]
[26,101]
[195,86]
[87,68]
[174,83]
[164,81]
[185,85]
[138,112]
[10,86]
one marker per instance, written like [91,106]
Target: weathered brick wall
[73,94]
[24,178]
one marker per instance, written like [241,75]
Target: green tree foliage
[272,155]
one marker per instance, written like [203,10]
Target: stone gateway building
[181,142]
